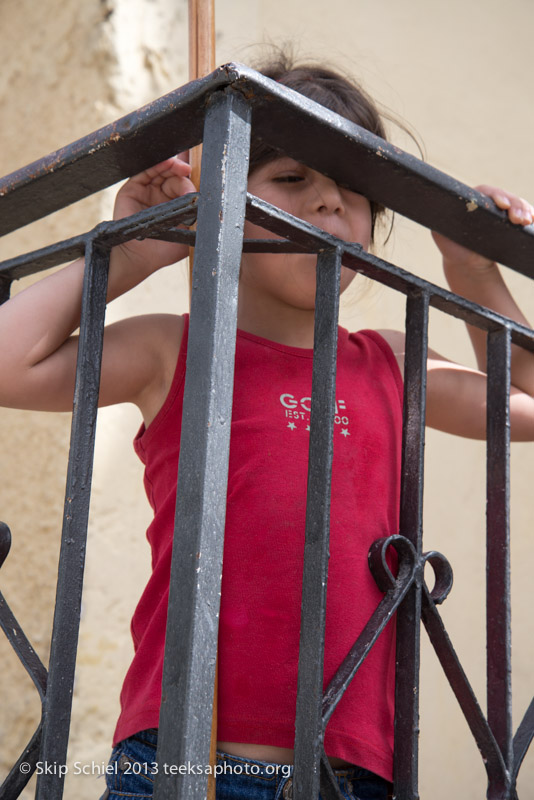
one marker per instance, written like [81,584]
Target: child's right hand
[38,369]
[158,184]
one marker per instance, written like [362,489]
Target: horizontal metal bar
[304,236]
[249,245]
[361,161]
[44,258]
[350,155]
[167,126]
[355,257]
[150,221]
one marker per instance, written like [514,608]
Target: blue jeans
[132,769]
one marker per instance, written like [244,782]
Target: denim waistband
[268,769]
[262,768]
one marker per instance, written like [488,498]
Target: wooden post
[202,62]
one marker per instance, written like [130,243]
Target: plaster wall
[460,75]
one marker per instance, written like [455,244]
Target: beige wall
[460,74]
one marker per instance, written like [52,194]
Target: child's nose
[327,196]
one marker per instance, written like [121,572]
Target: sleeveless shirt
[264,543]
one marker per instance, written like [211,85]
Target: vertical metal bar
[499,668]
[309,723]
[405,770]
[191,640]
[58,701]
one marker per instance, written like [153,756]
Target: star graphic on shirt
[291,425]
[345,432]
[307,427]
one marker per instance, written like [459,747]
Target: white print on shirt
[298,410]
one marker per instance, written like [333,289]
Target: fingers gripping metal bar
[405,766]
[58,702]
[191,640]
[499,667]
[309,725]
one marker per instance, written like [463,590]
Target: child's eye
[288,178]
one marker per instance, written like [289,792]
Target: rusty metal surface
[289,121]
[158,130]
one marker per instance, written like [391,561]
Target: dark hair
[328,87]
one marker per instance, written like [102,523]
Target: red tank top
[264,541]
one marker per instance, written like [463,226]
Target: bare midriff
[274,755]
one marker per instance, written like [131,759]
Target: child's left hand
[454,255]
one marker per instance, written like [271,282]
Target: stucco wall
[460,74]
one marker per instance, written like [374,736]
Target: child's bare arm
[479,279]
[456,395]
[37,367]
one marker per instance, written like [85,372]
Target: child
[144,363]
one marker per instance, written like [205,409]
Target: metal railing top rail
[350,155]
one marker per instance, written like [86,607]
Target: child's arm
[476,278]
[37,362]
[456,395]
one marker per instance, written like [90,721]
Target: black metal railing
[224,110]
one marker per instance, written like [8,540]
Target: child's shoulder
[394,340]
[167,327]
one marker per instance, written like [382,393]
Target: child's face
[314,198]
